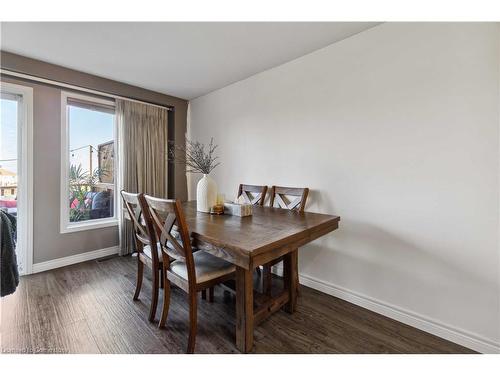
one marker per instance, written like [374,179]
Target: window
[9,129]
[88,163]
[16,172]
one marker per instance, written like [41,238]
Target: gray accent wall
[48,242]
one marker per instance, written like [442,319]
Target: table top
[268,228]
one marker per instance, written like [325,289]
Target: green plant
[80,183]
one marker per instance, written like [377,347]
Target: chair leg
[140,274]
[266,280]
[154,296]
[204,294]
[166,304]
[193,314]
[211,294]
[162,283]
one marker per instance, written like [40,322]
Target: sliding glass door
[15,166]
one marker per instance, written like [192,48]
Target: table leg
[291,276]
[244,309]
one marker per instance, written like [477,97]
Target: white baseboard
[456,335]
[73,259]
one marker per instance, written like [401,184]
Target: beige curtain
[143,156]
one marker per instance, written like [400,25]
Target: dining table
[251,241]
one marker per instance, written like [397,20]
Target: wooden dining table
[248,242]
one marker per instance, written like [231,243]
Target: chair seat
[147,251]
[207,266]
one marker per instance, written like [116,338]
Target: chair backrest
[253,194]
[168,220]
[280,198]
[143,230]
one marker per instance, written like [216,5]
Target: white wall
[395,130]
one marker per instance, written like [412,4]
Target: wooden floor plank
[15,336]
[88,308]
[52,328]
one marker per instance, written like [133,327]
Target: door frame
[25,171]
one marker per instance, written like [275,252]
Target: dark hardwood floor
[88,308]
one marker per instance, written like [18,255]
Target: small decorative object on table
[198,160]
[238,208]
[218,209]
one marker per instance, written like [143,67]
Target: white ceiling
[186,60]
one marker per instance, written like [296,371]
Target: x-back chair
[191,271]
[280,194]
[289,199]
[253,194]
[148,249]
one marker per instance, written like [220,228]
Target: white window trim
[25,172]
[65,225]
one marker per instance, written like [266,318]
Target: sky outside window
[8,134]
[88,127]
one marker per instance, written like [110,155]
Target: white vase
[206,194]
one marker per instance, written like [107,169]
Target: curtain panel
[143,156]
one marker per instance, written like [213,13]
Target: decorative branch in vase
[199,159]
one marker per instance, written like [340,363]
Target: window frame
[65,225]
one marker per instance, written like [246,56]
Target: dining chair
[191,271]
[289,199]
[280,198]
[147,255]
[253,194]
